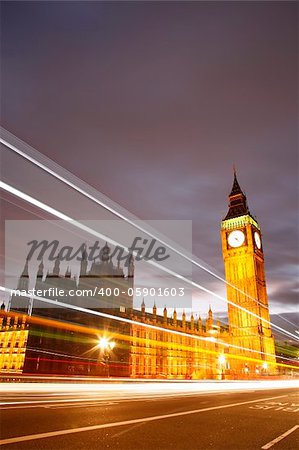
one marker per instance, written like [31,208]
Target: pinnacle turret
[237,201]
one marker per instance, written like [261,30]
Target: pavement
[150,416]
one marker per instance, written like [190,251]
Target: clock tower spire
[237,200]
[246,287]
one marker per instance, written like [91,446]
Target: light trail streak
[160,329]
[97,362]
[121,364]
[81,363]
[286,320]
[63,355]
[77,224]
[35,202]
[153,387]
[56,335]
[105,206]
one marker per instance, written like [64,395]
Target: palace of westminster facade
[55,340]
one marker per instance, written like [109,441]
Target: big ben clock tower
[246,287]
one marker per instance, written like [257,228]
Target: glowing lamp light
[221,359]
[105,344]
[265,366]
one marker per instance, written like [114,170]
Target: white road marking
[136,398]
[32,437]
[127,430]
[279,438]
[83,405]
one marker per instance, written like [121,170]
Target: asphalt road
[240,419]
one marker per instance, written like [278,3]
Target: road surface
[149,416]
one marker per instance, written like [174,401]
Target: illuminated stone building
[243,349]
[13,342]
[56,349]
[148,345]
[243,256]
[175,348]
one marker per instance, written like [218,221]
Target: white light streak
[33,201]
[109,208]
[142,324]
[74,222]
[131,222]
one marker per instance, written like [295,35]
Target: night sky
[153,103]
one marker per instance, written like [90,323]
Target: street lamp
[221,359]
[265,367]
[222,362]
[103,343]
[106,346]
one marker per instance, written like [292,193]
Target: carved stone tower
[246,287]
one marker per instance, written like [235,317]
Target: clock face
[257,240]
[236,238]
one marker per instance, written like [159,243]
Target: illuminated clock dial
[236,238]
[257,240]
